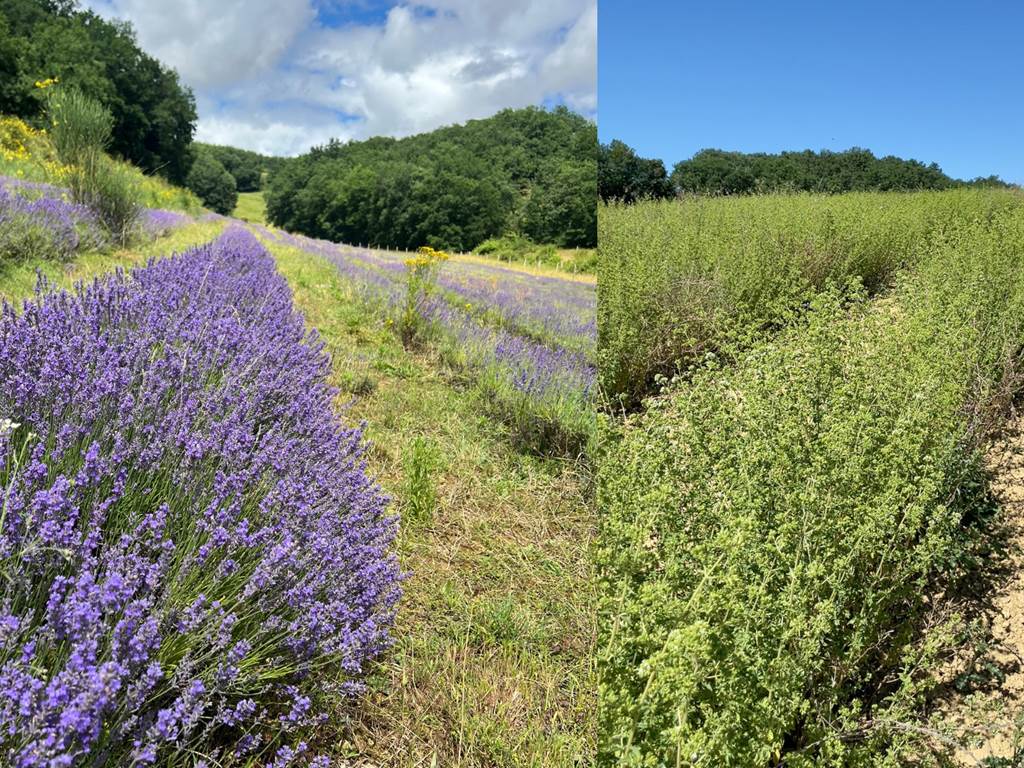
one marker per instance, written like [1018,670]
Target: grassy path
[251,207]
[492,665]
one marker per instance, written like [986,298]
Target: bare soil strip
[993,719]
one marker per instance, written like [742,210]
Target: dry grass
[493,660]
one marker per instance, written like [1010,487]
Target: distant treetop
[251,170]
[625,176]
[716,172]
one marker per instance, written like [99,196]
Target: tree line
[154,115]
[527,171]
[624,175]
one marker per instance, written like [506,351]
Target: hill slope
[529,170]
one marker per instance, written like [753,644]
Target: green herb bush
[680,278]
[80,132]
[774,531]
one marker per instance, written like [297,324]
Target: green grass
[493,661]
[251,207]
[17,281]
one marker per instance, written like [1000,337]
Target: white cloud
[214,44]
[269,75]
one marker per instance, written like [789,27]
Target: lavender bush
[38,221]
[192,552]
[157,222]
[45,227]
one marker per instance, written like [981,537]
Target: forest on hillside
[219,173]
[250,170]
[626,176]
[154,115]
[526,171]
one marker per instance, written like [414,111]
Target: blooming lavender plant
[550,309]
[192,552]
[157,222]
[45,226]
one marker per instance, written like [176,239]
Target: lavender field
[202,560]
[528,340]
[175,483]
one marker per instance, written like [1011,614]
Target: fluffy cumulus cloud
[279,76]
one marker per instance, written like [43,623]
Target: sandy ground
[994,717]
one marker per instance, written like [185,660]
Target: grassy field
[493,660]
[790,532]
[251,208]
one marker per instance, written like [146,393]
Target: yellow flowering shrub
[26,152]
[422,269]
[425,259]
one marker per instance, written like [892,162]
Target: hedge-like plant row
[773,530]
[194,560]
[678,279]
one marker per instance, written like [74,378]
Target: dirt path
[996,717]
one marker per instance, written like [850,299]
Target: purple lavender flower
[185,517]
[157,222]
[539,331]
[45,226]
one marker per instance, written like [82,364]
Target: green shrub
[117,199]
[773,532]
[80,133]
[213,184]
[421,284]
[420,492]
[80,126]
[677,279]
[517,249]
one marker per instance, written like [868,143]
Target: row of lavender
[193,555]
[39,221]
[530,339]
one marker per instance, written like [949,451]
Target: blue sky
[279,76]
[936,80]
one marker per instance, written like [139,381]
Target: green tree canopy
[249,169]
[713,171]
[530,171]
[212,183]
[623,175]
[154,114]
